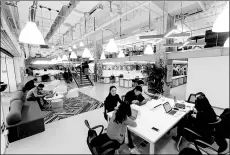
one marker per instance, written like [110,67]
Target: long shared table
[149,117]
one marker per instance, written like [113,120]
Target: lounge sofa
[25,117]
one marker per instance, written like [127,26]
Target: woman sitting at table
[198,122]
[117,127]
[111,101]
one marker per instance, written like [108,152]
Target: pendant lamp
[91,58]
[148,50]
[73,55]
[102,56]
[81,44]
[64,58]
[226,44]
[121,54]
[111,47]
[74,46]
[86,53]
[221,23]
[31,35]
[59,59]
[70,49]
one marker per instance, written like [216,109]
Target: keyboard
[172,112]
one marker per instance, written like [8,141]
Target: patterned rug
[73,106]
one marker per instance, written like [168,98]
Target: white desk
[149,117]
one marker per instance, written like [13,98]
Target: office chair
[112,79]
[192,135]
[99,143]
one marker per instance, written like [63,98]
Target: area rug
[73,106]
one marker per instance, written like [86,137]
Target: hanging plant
[156,75]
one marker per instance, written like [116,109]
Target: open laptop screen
[167,107]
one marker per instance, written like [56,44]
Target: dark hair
[35,79]
[112,88]
[41,85]
[138,88]
[200,94]
[202,103]
[121,113]
[139,82]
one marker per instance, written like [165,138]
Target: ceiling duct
[63,13]
[94,11]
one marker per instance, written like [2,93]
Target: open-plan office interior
[115,77]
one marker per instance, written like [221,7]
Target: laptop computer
[134,114]
[168,109]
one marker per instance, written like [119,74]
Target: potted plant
[155,78]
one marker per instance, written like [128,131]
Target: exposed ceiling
[143,16]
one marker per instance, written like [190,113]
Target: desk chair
[192,135]
[100,143]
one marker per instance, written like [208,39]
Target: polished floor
[99,91]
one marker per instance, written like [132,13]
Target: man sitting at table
[135,97]
[36,94]
[145,89]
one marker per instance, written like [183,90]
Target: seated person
[134,96]
[145,89]
[117,127]
[29,85]
[135,82]
[111,101]
[198,122]
[36,94]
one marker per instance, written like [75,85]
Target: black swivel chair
[99,143]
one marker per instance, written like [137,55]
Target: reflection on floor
[164,146]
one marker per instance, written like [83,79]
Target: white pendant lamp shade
[74,46]
[81,44]
[31,35]
[64,58]
[148,50]
[226,44]
[86,53]
[73,55]
[121,54]
[102,56]
[221,23]
[70,49]
[91,58]
[111,47]
[59,59]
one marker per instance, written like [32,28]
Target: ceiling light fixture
[121,54]
[148,50]
[86,53]
[74,46]
[221,23]
[91,58]
[64,58]
[70,49]
[226,44]
[73,55]
[103,56]
[111,47]
[31,35]
[59,59]
[81,44]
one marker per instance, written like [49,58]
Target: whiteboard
[209,75]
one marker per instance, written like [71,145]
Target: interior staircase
[80,78]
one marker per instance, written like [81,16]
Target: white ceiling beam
[112,21]
[202,5]
[79,12]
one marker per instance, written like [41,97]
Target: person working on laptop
[36,94]
[135,97]
[117,127]
[111,101]
[198,122]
